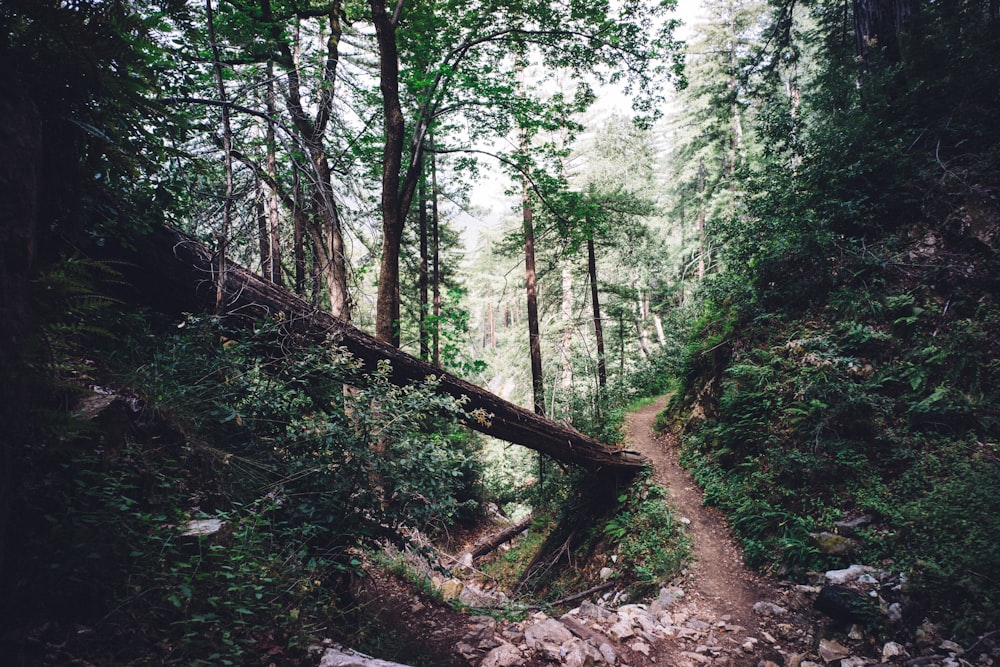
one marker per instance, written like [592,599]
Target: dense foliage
[302,470]
[844,359]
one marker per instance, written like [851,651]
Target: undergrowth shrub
[305,457]
[888,413]
[648,537]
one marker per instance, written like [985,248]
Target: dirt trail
[718,579]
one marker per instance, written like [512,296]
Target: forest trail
[717,579]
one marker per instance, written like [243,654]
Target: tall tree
[472,42]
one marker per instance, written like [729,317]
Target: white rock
[621,630]
[893,650]
[830,650]
[505,655]
[606,573]
[696,657]
[841,577]
[345,657]
[640,647]
[609,653]
[579,653]
[895,612]
[854,661]
[951,647]
[547,637]
[768,609]
[201,527]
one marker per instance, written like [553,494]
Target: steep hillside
[863,427]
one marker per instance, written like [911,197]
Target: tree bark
[422,279]
[174,273]
[436,262]
[323,225]
[602,362]
[227,149]
[387,303]
[492,542]
[534,334]
[271,260]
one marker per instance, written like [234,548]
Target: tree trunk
[701,218]
[387,303]
[272,262]
[299,237]
[565,351]
[436,267]
[422,279]
[324,223]
[173,273]
[534,336]
[491,542]
[227,149]
[595,302]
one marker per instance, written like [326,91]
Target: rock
[640,646]
[621,630]
[666,599]
[451,589]
[609,653]
[893,650]
[833,544]
[547,638]
[468,651]
[795,660]
[856,632]
[841,577]
[949,646]
[606,573]
[696,657]
[588,609]
[768,609]
[344,657]
[768,637]
[850,528]
[505,655]
[464,565]
[482,635]
[579,653]
[854,661]
[895,612]
[846,605]
[767,663]
[830,650]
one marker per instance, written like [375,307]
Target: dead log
[173,272]
[491,542]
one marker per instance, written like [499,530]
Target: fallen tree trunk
[174,272]
[491,542]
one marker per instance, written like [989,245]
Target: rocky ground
[718,613]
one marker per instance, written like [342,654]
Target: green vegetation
[886,412]
[648,538]
[259,435]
